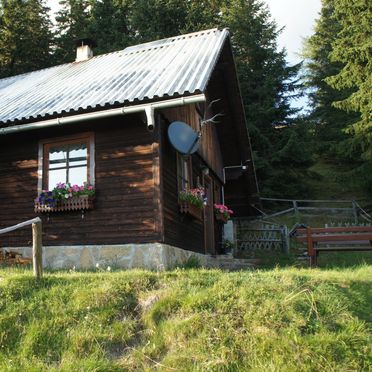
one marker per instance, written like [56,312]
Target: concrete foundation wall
[155,256]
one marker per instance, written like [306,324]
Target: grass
[274,320]
[329,181]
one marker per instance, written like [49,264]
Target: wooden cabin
[108,116]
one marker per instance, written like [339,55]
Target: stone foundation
[154,256]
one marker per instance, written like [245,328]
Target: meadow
[281,319]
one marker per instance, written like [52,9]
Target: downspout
[148,108]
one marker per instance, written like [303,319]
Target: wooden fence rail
[37,247]
[296,207]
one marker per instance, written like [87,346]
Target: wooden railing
[311,206]
[37,247]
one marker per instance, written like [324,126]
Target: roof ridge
[128,50]
[171,39]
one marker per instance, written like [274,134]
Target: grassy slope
[276,320]
[328,183]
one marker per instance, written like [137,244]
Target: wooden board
[126,205]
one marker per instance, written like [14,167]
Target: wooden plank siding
[209,149]
[180,230]
[126,203]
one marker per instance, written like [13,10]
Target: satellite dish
[183,138]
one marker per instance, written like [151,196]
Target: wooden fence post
[37,249]
[295,207]
[310,247]
[285,239]
[355,212]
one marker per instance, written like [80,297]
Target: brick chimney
[84,49]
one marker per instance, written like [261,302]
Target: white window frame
[89,136]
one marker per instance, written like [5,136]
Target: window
[67,160]
[184,172]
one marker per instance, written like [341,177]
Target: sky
[298,19]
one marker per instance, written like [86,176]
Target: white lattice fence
[260,237]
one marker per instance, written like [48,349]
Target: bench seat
[354,238]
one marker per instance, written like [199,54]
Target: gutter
[148,108]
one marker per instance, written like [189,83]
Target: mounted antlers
[203,113]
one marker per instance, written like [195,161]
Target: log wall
[209,148]
[127,199]
[180,230]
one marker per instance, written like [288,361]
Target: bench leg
[316,258]
[313,261]
[310,247]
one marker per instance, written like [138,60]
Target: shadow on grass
[333,260]
[359,294]
[326,260]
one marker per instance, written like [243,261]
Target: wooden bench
[354,238]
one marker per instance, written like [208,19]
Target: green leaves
[340,70]
[353,47]
[25,36]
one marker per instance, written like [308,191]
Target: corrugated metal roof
[169,67]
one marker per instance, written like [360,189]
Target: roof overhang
[147,108]
[160,70]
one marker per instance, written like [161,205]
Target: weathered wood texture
[37,249]
[209,148]
[180,230]
[125,208]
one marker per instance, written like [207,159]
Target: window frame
[43,156]
[184,163]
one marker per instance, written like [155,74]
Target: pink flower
[90,187]
[223,209]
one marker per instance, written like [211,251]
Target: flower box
[222,218]
[83,202]
[191,209]
[222,213]
[65,197]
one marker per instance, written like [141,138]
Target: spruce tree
[267,84]
[73,23]
[353,48]
[330,121]
[25,36]
[339,74]
[109,25]
[157,19]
